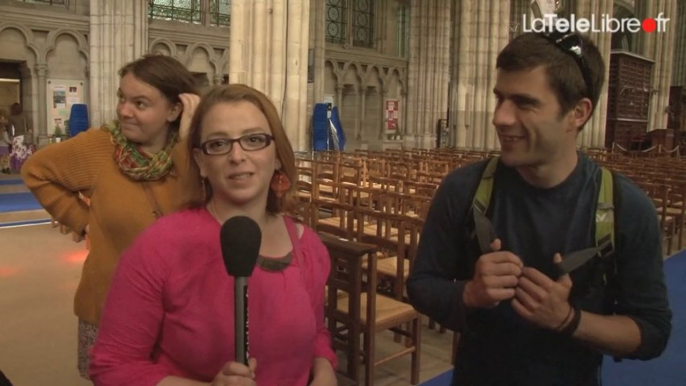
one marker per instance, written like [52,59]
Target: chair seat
[388,266]
[372,229]
[389,312]
[333,221]
[339,295]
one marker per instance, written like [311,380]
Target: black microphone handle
[241,319]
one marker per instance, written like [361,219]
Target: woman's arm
[132,318]
[57,174]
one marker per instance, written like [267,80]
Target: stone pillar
[118,35]
[593,134]
[218,78]
[363,111]
[659,47]
[429,68]
[339,99]
[413,75]
[318,42]
[679,66]
[480,35]
[383,93]
[402,129]
[41,73]
[268,51]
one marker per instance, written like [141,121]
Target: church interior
[380,99]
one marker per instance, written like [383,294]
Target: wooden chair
[363,312]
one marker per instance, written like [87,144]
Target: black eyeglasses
[249,142]
[573,45]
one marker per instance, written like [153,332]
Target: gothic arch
[28,36]
[210,54]
[377,76]
[164,42]
[623,40]
[536,9]
[400,75]
[335,68]
[52,38]
[359,74]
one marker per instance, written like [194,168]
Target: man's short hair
[565,76]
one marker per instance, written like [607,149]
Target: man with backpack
[540,258]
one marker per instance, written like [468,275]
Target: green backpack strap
[482,198]
[605,215]
[483,192]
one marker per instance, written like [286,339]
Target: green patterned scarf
[138,165]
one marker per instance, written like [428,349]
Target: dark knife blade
[576,259]
[484,231]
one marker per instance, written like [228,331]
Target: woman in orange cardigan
[131,170]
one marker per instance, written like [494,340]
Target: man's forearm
[614,335]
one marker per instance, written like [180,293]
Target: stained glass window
[363,23]
[187,11]
[336,21]
[49,2]
[220,13]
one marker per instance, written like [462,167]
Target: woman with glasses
[169,316]
[131,171]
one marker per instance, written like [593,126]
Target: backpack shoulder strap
[482,197]
[605,214]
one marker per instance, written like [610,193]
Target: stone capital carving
[41,69]
[218,78]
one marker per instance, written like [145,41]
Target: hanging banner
[391,115]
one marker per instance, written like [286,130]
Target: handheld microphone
[240,239]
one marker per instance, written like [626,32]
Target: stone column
[679,66]
[429,68]
[593,134]
[360,106]
[339,99]
[318,42]
[481,34]
[218,78]
[413,75]
[269,49]
[118,35]
[41,73]
[363,111]
[659,47]
[402,129]
[382,102]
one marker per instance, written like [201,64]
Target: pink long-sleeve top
[170,309]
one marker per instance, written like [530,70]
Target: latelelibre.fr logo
[603,23]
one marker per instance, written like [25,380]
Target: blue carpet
[14,202]
[667,370]
[11,182]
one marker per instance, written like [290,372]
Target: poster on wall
[62,94]
[391,116]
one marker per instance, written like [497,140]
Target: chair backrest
[347,275]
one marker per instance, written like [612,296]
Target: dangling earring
[280,183]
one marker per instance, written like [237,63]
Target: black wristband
[570,328]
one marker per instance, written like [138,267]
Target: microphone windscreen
[240,239]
